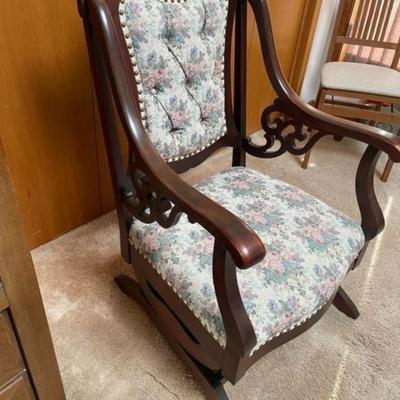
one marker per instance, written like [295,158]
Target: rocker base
[210,382]
[343,303]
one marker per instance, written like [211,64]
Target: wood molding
[294,23]
[310,18]
[3,299]
[18,276]
[344,13]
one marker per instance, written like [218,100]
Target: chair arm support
[300,111]
[245,247]
[372,219]
[235,246]
[240,334]
[301,115]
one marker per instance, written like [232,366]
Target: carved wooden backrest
[177,51]
[366,23]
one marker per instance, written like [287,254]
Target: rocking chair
[240,264]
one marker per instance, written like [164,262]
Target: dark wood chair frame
[152,191]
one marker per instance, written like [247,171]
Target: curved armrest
[300,110]
[245,247]
[241,242]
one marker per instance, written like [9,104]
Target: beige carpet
[109,349]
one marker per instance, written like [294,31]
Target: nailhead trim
[206,325]
[296,325]
[138,79]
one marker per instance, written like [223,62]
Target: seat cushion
[309,248]
[365,78]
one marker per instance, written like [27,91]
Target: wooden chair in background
[356,90]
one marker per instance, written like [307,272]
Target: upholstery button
[168,35]
[156,88]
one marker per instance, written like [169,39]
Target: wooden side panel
[18,277]
[18,389]
[46,114]
[11,361]
[3,299]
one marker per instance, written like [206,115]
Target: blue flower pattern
[309,249]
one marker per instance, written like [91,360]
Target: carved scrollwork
[282,133]
[148,204]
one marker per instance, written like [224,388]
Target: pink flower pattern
[309,248]
[179,47]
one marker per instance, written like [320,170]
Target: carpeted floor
[109,349]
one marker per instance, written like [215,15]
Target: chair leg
[387,171]
[210,382]
[343,303]
[306,160]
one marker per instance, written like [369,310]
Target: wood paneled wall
[46,114]
[49,127]
[294,23]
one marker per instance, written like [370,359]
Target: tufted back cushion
[177,53]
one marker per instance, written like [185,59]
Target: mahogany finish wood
[372,219]
[210,381]
[240,103]
[343,302]
[286,124]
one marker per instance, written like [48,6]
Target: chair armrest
[297,109]
[245,247]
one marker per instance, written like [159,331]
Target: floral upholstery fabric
[179,60]
[309,249]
